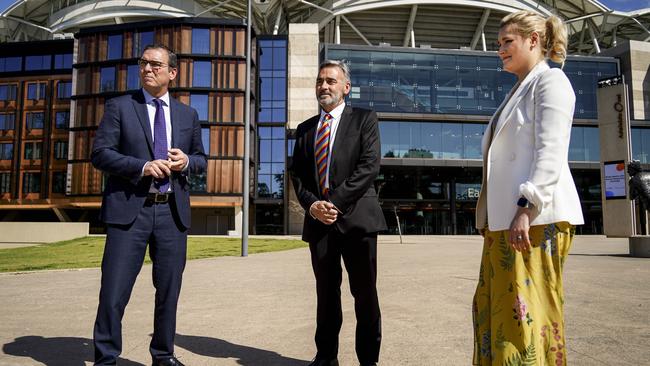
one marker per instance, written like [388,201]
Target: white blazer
[528,154]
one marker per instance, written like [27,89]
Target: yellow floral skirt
[517,308]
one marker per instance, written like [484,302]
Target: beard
[330,100]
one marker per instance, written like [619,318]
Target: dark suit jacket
[354,165]
[124,143]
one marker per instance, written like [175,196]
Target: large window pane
[58,182]
[107,79]
[114,47]
[62,120]
[472,136]
[5,182]
[202,74]
[34,120]
[200,103]
[6,151]
[63,61]
[200,41]
[8,92]
[141,40]
[205,139]
[40,62]
[132,77]
[7,121]
[31,183]
[36,91]
[64,90]
[452,143]
[9,64]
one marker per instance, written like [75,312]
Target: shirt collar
[336,112]
[148,98]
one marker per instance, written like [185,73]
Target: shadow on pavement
[245,356]
[56,351]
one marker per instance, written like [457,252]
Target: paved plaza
[260,310]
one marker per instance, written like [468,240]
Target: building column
[238,222]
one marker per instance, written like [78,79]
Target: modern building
[427,67]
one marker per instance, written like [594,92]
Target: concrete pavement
[260,310]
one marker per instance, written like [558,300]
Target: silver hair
[334,63]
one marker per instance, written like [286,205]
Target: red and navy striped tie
[322,151]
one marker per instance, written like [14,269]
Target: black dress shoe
[168,361]
[321,362]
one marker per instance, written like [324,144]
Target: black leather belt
[159,197]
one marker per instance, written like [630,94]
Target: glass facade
[107,79]
[33,150]
[450,83]
[63,61]
[132,77]
[64,90]
[141,39]
[8,92]
[271,131]
[202,74]
[40,62]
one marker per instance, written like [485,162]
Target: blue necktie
[160,143]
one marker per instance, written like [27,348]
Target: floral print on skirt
[517,308]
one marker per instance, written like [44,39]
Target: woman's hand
[519,227]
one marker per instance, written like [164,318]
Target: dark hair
[172,59]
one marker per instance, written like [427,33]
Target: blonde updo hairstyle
[552,32]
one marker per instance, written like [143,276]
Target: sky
[623,5]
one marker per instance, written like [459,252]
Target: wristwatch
[524,203]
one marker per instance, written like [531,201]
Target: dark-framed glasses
[155,65]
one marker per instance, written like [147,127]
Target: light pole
[247,136]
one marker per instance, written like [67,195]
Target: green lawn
[87,252]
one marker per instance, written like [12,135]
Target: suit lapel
[521,91]
[143,116]
[341,131]
[310,140]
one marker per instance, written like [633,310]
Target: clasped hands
[160,168]
[324,212]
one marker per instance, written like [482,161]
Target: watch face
[522,202]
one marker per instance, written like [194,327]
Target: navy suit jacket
[356,157]
[124,143]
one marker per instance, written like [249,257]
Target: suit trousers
[359,253]
[156,224]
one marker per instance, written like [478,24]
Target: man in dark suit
[147,143]
[335,162]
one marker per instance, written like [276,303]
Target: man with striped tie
[335,162]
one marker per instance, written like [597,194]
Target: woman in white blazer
[528,206]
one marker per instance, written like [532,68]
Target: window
[270,175]
[200,41]
[200,103]
[6,151]
[36,91]
[58,182]
[31,183]
[62,120]
[34,120]
[8,92]
[33,150]
[7,121]
[114,47]
[273,81]
[202,74]
[107,79]
[8,64]
[60,150]
[40,62]
[140,41]
[64,90]
[205,139]
[63,61]
[132,77]
[5,182]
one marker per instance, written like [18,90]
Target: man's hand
[519,227]
[157,168]
[324,212]
[177,159]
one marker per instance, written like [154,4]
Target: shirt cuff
[533,196]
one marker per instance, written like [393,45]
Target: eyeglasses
[155,65]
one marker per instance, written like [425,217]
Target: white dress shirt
[151,110]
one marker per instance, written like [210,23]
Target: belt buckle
[160,197]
